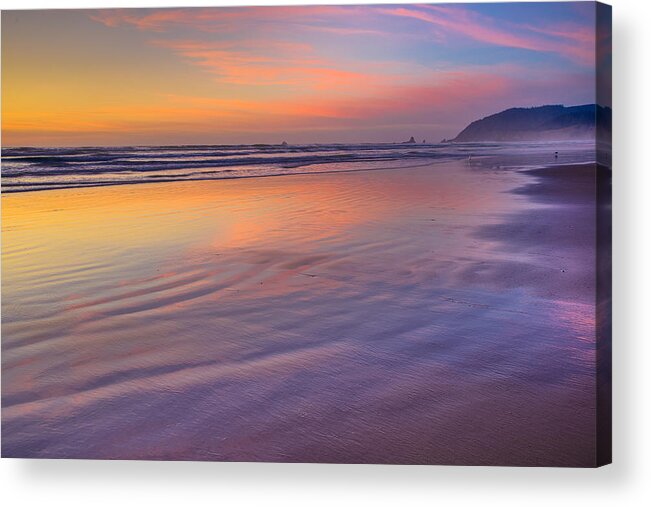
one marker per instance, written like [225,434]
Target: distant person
[555,154]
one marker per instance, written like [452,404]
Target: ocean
[30,169]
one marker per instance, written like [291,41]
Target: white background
[626,482]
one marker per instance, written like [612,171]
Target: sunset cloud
[573,42]
[316,73]
[212,19]
[264,63]
[570,40]
[398,103]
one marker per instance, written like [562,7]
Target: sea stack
[411,140]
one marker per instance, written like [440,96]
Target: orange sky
[305,74]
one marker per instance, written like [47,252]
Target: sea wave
[29,169]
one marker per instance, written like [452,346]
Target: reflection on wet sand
[392,316]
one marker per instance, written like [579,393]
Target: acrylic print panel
[339,234]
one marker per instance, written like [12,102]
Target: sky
[304,74]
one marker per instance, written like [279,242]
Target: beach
[438,314]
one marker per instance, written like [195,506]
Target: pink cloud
[266,63]
[383,102]
[212,19]
[571,41]
[575,43]
[439,105]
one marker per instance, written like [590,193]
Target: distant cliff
[541,124]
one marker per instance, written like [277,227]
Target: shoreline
[554,237]
[109,168]
[304,173]
[349,319]
[523,170]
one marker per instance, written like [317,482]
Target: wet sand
[435,315]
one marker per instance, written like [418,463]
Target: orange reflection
[54,229]
[155,287]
